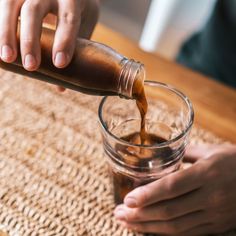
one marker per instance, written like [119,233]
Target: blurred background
[159,26]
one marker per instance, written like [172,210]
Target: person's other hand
[195,201]
[74,17]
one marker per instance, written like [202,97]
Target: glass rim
[160,145]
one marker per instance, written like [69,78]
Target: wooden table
[214,104]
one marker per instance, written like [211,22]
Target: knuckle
[27,42]
[28,45]
[69,18]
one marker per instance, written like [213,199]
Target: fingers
[171,186]
[196,152]
[89,18]
[165,210]
[204,151]
[200,230]
[67,28]
[8,26]
[32,14]
[192,222]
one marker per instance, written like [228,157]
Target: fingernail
[60,59]
[130,202]
[120,215]
[6,52]
[29,62]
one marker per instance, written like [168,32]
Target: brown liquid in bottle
[95,68]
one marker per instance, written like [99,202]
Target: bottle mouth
[130,72]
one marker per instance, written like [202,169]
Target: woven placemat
[53,177]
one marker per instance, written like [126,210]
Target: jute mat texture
[53,176]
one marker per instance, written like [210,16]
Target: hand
[195,201]
[74,17]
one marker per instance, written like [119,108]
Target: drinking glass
[169,120]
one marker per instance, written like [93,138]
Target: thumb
[196,152]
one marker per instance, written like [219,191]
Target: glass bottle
[95,69]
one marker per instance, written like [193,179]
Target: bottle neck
[131,71]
